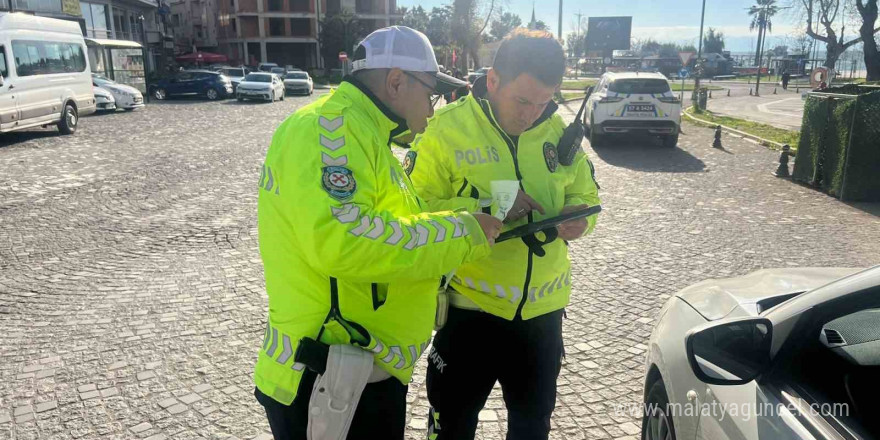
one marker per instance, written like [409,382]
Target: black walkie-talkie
[570,142]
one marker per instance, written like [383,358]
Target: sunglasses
[435,98]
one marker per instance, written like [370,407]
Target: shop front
[120,60]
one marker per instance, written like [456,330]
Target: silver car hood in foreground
[715,299]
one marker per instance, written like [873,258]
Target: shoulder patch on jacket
[551,157]
[339,182]
[409,162]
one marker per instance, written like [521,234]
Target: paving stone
[21,410]
[167,402]
[139,428]
[90,395]
[46,406]
[144,375]
[190,398]
[177,409]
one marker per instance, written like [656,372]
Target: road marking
[763,108]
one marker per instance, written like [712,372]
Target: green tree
[576,44]
[541,26]
[502,25]
[762,13]
[439,30]
[416,18]
[688,48]
[339,33]
[713,42]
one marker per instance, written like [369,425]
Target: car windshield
[253,77]
[232,72]
[639,86]
[300,75]
[100,81]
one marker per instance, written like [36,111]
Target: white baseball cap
[406,49]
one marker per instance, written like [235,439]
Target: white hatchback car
[298,82]
[633,102]
[125,96]
[260,85]
[779,354]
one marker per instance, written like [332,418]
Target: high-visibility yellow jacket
[452,165]
[350,255]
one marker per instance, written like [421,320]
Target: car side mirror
[732,352]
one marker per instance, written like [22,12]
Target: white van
[44,73]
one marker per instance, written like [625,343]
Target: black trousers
[474,350]
[381,412]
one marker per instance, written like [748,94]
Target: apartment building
[286,31]
[194,25]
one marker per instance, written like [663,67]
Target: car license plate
[138,100]
[640,108]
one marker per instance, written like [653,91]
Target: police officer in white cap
[352,258]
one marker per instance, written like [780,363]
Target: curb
[765,142]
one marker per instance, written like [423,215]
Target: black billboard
[607,34]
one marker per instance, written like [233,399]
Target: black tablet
[551,222]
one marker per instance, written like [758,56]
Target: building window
[95,16]
[334,6]
[175,20]
[232,4]
[234,23]
[299,6]
[301,27]
[364,6]
[276,5]
[276,27]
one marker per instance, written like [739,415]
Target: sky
[663,20]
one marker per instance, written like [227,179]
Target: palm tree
[762,13]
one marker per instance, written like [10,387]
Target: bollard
[728,93]
[750,91]
[774,90]
[717,143]
[710,94]
[782,170]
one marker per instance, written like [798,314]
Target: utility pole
[577,60]
[699,51]
[761,57]
[559,29]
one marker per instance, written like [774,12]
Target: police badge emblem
[339,182]
[409,162]
[551,157]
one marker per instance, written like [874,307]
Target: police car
[633,102]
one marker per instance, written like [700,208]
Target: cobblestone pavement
[131,290]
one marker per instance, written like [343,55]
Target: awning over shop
[201,57]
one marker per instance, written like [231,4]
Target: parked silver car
[778,354]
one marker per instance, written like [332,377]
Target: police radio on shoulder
[570,142]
